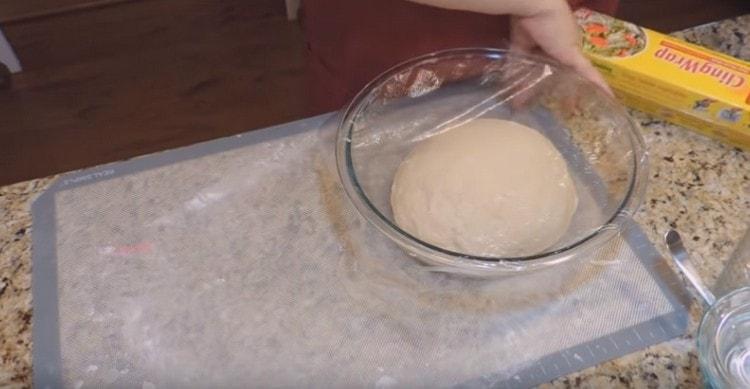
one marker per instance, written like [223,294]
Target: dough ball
[489,187]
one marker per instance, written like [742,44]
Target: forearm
[498,7]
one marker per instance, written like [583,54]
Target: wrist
[541,7]
[519,8]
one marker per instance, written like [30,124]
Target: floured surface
[250,267]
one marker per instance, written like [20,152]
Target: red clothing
[350,42]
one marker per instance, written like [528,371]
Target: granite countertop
[699,186]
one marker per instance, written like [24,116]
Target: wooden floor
[139,77]
[134,77]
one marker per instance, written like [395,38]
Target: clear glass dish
[413,101]
[724,341]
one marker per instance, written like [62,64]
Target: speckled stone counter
[699,186]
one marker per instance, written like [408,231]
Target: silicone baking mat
[239,262]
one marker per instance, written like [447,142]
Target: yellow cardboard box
[677,81]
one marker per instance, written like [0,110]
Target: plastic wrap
[240,262]
[424,97]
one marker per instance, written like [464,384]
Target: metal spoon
[680,257]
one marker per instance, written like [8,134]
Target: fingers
[556,33]
[575,59]
[520,40]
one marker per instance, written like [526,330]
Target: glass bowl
[724,341]
[413,101]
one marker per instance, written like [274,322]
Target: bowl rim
[708,349]
[439,255]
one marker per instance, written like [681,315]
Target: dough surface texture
[489,187]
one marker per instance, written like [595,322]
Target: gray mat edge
[46,353]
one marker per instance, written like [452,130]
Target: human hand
[551,28]
[548,25]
